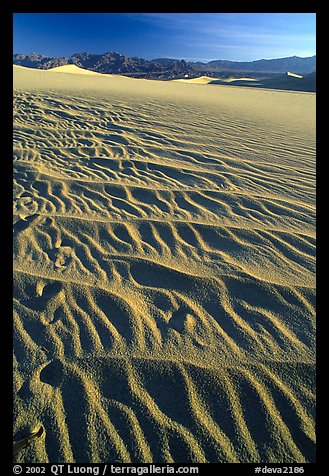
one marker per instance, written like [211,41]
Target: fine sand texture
[164,271]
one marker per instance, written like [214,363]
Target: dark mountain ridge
[294,64]
[115,63]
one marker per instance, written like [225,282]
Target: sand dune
[208,79]
[73,69]
[294,75]
[164,271]
[287,81]
[199,80]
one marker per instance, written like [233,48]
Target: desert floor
[164,270]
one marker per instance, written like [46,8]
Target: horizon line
[168,57]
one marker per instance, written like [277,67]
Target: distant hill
[34,60]
[110,63]
[295,64]
[115,63]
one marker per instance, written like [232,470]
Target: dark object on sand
[23,443]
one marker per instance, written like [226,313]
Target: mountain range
[115,63]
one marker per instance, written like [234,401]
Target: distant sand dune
[72,68]
[209,79]
[287,81]
[198,80]
[164,271]
[294,75]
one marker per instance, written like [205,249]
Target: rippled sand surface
[164,271]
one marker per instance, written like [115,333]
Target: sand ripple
[164,277]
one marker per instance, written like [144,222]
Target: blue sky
[190,36]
